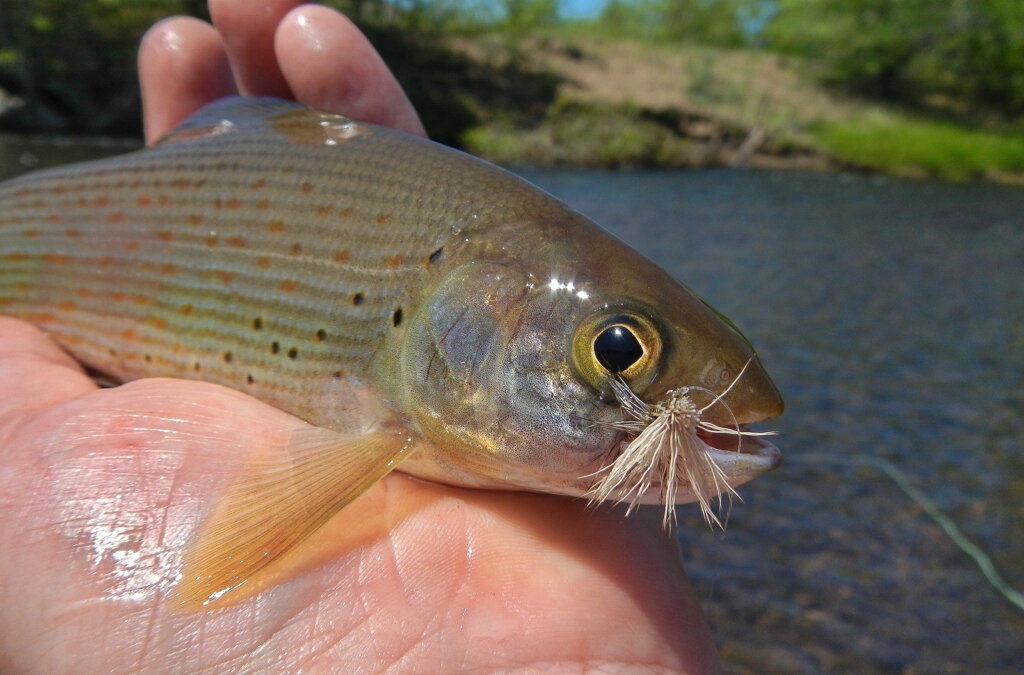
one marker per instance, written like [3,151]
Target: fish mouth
[741,458]
[740,454]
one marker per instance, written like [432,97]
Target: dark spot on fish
[195,366]
[148,358]
[113,352]
[336,374]
[293,353]
[275,348]
[436,255]
[321,335]
[227,356]
[250,379]
[396,318]
[257,323]
[357,299]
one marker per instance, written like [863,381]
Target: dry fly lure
[666,451]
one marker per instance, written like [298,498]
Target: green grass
[907,146]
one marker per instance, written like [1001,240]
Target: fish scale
[160,262]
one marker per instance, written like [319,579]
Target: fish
[421,309]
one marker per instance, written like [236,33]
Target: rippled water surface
[891,315]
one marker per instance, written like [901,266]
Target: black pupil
[616,348]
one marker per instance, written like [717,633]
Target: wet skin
[101,489]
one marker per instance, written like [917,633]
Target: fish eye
[614,341]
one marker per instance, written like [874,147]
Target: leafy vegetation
[922,87]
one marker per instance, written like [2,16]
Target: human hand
[102,490]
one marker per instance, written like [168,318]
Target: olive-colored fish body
[418,303]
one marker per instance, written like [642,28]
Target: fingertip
[182,66]
[329,64]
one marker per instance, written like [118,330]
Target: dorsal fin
[228,115]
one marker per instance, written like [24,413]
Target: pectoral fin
[278,499]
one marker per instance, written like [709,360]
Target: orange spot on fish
[118,296]
[30,232]
[59,189]
[131,246]
[323,210]
[147,265]
[232,203]
[259,185]
[55,258]
[287,286]
[185,310]
[384,219]
[162,200]
[276,226]
[211,240]
[101,201]
[66,305]
[194,219]
[73,232]
[306,188]
[129,335]
[341,256]
[164,235]
[218,203]
[21,286]
[393,261]
[168,268]
[224,276]
[236,242]
[263,204]
[38,317]
[83,292]
[141,300]
[143,201]
[16,257]
[346,212]
[181,184]
[263,262]
[54,218]
[156,322]
[107,261]
[115,217]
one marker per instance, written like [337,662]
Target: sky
[580,9]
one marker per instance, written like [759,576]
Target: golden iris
[617,342]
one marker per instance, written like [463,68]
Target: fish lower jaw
[740,459]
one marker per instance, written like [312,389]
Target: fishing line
[902,481]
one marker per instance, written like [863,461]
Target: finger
[182,66]
[329,64]
[247,29]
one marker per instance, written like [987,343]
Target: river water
[891,315]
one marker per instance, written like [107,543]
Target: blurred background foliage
[69,65]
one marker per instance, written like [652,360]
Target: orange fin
[279,499]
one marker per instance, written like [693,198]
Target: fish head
[538,372]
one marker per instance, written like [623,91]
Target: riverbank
[618,103]
[569,98]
